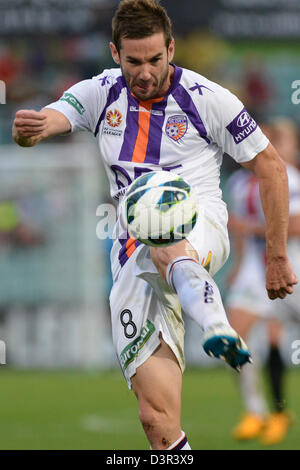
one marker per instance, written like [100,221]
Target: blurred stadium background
[61,387]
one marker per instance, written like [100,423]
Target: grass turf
[76,410]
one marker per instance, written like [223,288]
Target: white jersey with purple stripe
[187,131]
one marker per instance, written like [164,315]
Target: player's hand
[280,278]
[29,127]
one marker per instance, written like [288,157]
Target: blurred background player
[247,302]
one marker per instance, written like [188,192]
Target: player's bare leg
[163,256]
[157,385]
[200,299]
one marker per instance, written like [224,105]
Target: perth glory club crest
[176,127]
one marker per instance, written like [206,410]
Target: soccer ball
[160,209]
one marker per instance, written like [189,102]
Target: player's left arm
[270,170]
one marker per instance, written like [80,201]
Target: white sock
[198,294]
[253,399]
[180,444]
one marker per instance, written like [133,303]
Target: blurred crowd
[37,70]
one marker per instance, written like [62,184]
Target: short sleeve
[232,128]
[81,105]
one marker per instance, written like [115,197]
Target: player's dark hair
[137,19]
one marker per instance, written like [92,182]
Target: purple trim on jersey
[176,78]
[123,257]
[131,130]
[122,253]
[113,95]
[155,132]
[185,102]
[171,168]
[156,125]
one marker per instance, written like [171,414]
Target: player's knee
[162,257]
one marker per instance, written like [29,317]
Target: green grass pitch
[76,410]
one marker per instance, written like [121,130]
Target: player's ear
[114,53]
[171,50]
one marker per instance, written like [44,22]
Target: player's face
[145,65]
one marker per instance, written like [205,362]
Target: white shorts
[143,306]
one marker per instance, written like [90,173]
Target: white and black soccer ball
[160,209]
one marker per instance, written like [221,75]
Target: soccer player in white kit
[150,115]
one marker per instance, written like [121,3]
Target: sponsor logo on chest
[113,120]
[141,109]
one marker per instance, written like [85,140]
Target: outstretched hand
[280,278]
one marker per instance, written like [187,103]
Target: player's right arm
[31,127]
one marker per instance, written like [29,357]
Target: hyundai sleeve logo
[244,119]
[241,126]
